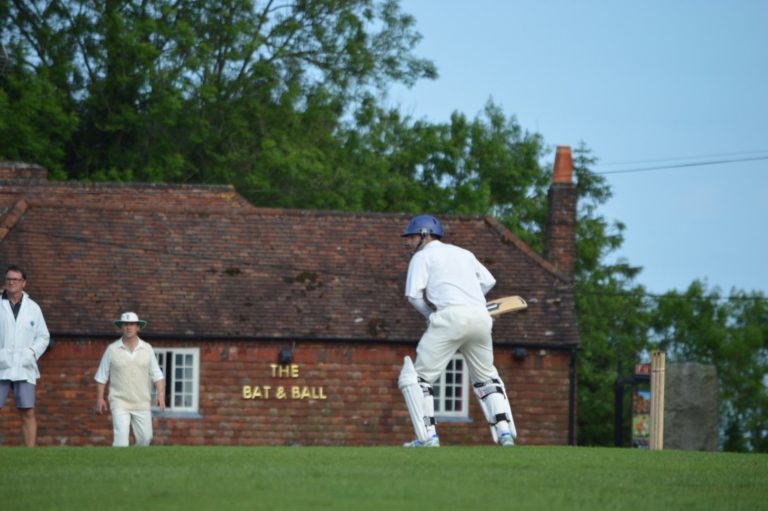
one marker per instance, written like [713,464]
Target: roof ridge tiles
[38,183]
[128,204]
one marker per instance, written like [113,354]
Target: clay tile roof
[201,262]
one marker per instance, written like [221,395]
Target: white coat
[23,340]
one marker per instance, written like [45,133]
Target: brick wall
[347,395]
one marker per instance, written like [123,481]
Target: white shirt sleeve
[102,373]
[484,277]
[418,275]
[154,368]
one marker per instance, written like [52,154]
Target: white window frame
[166,357]
[456,370]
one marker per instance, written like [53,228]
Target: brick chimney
[18,170]
[560,230]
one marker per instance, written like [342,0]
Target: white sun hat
[130,317]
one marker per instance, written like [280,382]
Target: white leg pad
[495,404]
[414,399]
[428,407]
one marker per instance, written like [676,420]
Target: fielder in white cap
[129,365]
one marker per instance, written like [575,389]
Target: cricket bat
[505,304]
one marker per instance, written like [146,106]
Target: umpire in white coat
[24,338]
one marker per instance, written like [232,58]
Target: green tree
[383,161]
[204,92]
[730,333]
[612,309]
[34,126]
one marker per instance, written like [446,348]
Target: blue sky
[643,84]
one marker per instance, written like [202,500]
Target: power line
[678,158]
[606,172]
[683,165]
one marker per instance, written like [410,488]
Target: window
[181,368]
[452,390]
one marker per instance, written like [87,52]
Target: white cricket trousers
[458,328]
[124,420]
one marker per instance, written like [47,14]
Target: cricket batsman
[451,279]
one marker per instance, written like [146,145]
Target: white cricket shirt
[447,275]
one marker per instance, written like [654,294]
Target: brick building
[273,327]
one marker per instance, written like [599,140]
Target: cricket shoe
[506,440]
[433,441]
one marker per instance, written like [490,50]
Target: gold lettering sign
[256,392]
[286,371]
[299,392]
[307,392]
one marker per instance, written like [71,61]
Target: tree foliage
[33,119]
[169,90]
[730,333]
[613,310]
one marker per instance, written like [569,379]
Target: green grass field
[379,478]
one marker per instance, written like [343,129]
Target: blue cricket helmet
[423,225]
